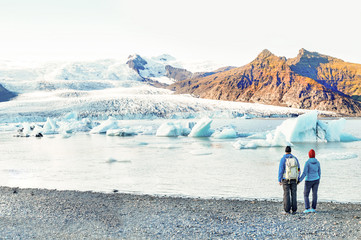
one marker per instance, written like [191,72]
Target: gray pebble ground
[51,214]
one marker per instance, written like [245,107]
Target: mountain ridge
[270,79]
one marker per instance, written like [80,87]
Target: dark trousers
[308,186]
[289,195]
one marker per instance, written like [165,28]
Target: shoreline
[54,214]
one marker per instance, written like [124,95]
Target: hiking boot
[293,213]
[307,211]
[313,210]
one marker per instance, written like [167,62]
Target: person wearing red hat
[312,173]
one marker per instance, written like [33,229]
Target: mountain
[301,82]
[5,95]
[110,87]
[165,69]
[332,72]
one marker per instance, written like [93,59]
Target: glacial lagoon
[203,167]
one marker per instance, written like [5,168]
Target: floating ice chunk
[245,145]
[111,160]
[277,139]
[123,132]
[73,125]
[38,129]
[124,161]
[202,128]
[225,133]
[50,127]
[26,128]
[169,129]
[111,123]
[300,129]
[305,128]
[259,135]
[334,130]
[113,132]
[146,130]
[270,141]
[346,137]
[174,129]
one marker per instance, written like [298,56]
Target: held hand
[280,183]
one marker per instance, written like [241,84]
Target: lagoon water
[182,166]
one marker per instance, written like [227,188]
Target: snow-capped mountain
[125,89]
[91,75]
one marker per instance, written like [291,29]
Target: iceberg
[168,129]
[225,134]
[73,125]
[50,126]
[174,129]
[202,128]
[111,123]
[305,128]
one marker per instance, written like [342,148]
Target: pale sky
[231,32]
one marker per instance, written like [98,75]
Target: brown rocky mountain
[137,63]
[331,72]
[274,80]
[180,74]
[5,95]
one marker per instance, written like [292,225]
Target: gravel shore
[51,214]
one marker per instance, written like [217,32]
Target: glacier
[110,88]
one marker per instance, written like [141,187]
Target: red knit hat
[311,153]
